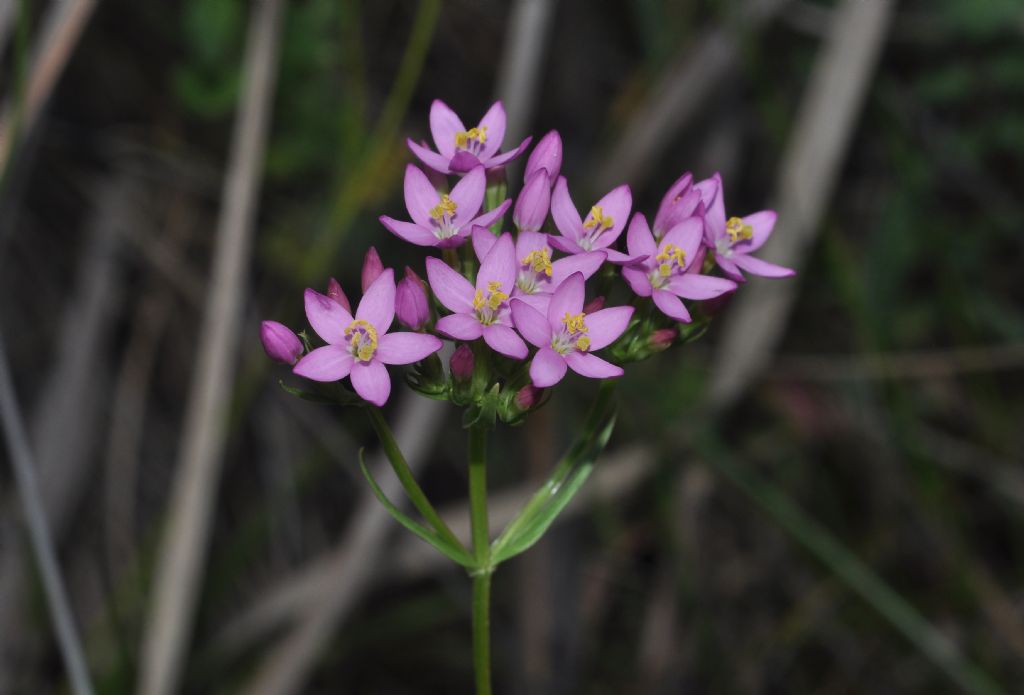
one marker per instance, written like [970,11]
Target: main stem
[482,555]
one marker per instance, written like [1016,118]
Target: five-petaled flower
[566,336]
[734,239]
[443,220]
[602,226]
[360,346]
[667,274]
[482,310]
[461,149]
[537,275]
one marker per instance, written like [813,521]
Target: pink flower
[461,149]
[412,307]
[733,240]
[482,310]
[533,203]
[664,275]
[602,226]
[537,275]
[681,200]
[443,220]
[546,155]
[359,347]
[280,342]
[566,336]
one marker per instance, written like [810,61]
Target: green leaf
[568,477]
[456,554]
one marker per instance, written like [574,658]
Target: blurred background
[823,495]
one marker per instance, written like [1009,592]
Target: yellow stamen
[583,343]
[574,323]
[446,207]
[462,138]
[539,261]
[738,231]
[362,336]
[493,301]
[597,218]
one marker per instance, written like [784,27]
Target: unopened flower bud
[335,292]
[546,155]
[372,268]
[527,397]
[595,304]
[533,203]
[662,339]
[280,342]
[462,363]
[411,305]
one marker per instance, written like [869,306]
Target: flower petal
[671,200]
[592,366]
[566,299]
[371,382]
[693,286]
[564,245]
[494,121]
[762,224]
[506,341]
[450,288]
[619,258]
[585,263]
[729,268]
[328,318]
[420,196]
[435,161]
[687,235]
[328,363]
[378,304]
[491,216]
[671,305]
[499,265]
[763,268]
[483,241]
[533,203]
[463,162]
[444,124]
[460,327]
[546,155]
[639,239]
[531,324]
[616,204]
[605,326]
[538,301]
[506,157]
[564,213]
[547,368]
[410,231]
[528,242]
[406,348]
[713,197]
[638,280]
[468,196]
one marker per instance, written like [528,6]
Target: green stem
[482,554]
[404,473]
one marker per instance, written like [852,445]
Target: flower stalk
[482,555]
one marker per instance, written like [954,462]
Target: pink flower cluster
[509,289]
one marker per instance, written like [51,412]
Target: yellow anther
[447,207]
[492,301]
[574,323]
[665,269]
[362,336]
[463,138]
[583,343]
[539,261]
[598,219]
[478,300]
[738,231]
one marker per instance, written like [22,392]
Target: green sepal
[457,555]
[484,411]
[548,502]
[332,393]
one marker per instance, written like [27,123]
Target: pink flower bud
[462,363]
[596,304]
[372,268]
[280,343]
[335,292]
[411,305]
[533,203]
[662,339]
[546,155]
[528,396]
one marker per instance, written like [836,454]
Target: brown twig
[184,546]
